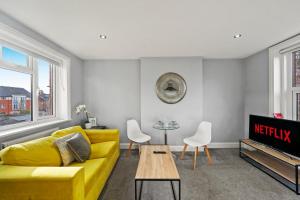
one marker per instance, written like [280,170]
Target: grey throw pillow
[65,153]
[79,147]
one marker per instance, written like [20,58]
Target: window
[284,61]
[296,84]
[297,108]
[15,90]
[296,68]
[18,79]
[14,57]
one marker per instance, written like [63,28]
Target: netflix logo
[270,131]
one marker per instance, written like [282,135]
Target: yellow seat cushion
[71,130]
[92,171]
[39,152]
[103,149]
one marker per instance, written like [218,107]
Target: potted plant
[82,109]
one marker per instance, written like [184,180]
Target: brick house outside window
[14,100]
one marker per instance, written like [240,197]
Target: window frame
[18,41]
[36,86]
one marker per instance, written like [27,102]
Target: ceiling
[156,28]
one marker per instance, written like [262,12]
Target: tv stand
[278,165]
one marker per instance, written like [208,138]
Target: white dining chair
[201,138]
[135,135]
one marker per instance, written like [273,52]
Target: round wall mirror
[170,88]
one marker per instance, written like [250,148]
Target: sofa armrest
[103,135]
[59,183]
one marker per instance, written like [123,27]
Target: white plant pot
[88,125]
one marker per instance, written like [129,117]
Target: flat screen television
[281,134]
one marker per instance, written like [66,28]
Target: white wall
[257,86]
[224,86]
[76,68]
[112,92]
[188,112]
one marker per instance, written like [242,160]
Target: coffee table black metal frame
[138,193]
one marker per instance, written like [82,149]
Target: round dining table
[166,127]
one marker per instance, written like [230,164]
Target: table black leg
[179,190]
[173,190]
[166,138]
[141,188]
[135,197]
[297,180]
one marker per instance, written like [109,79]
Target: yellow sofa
[33,171]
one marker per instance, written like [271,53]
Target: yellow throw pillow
[39,152]
[71,130]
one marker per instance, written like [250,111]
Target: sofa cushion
[1,153]
[39,152]
[103,149]
[65,153]
[93,169]
[71,130]
[79,147]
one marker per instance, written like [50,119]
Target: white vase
[88,125]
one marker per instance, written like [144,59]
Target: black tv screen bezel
[291,154]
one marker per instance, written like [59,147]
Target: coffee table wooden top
[156,166]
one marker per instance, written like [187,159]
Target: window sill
[31,128]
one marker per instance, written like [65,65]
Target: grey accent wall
[112,92]
[257,86]
[224,85]
[76,67]
[188,112]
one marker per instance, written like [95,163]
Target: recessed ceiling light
[103,37]
[237,36]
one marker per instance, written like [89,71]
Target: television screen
[280,134]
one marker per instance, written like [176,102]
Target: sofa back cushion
[39,152]
[71,130]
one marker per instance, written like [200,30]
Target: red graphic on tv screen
[279,134]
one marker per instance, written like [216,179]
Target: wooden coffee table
[156,167]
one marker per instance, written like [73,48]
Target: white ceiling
[159,28]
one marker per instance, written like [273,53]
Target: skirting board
[215,145]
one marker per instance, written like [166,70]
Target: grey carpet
[229,178]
